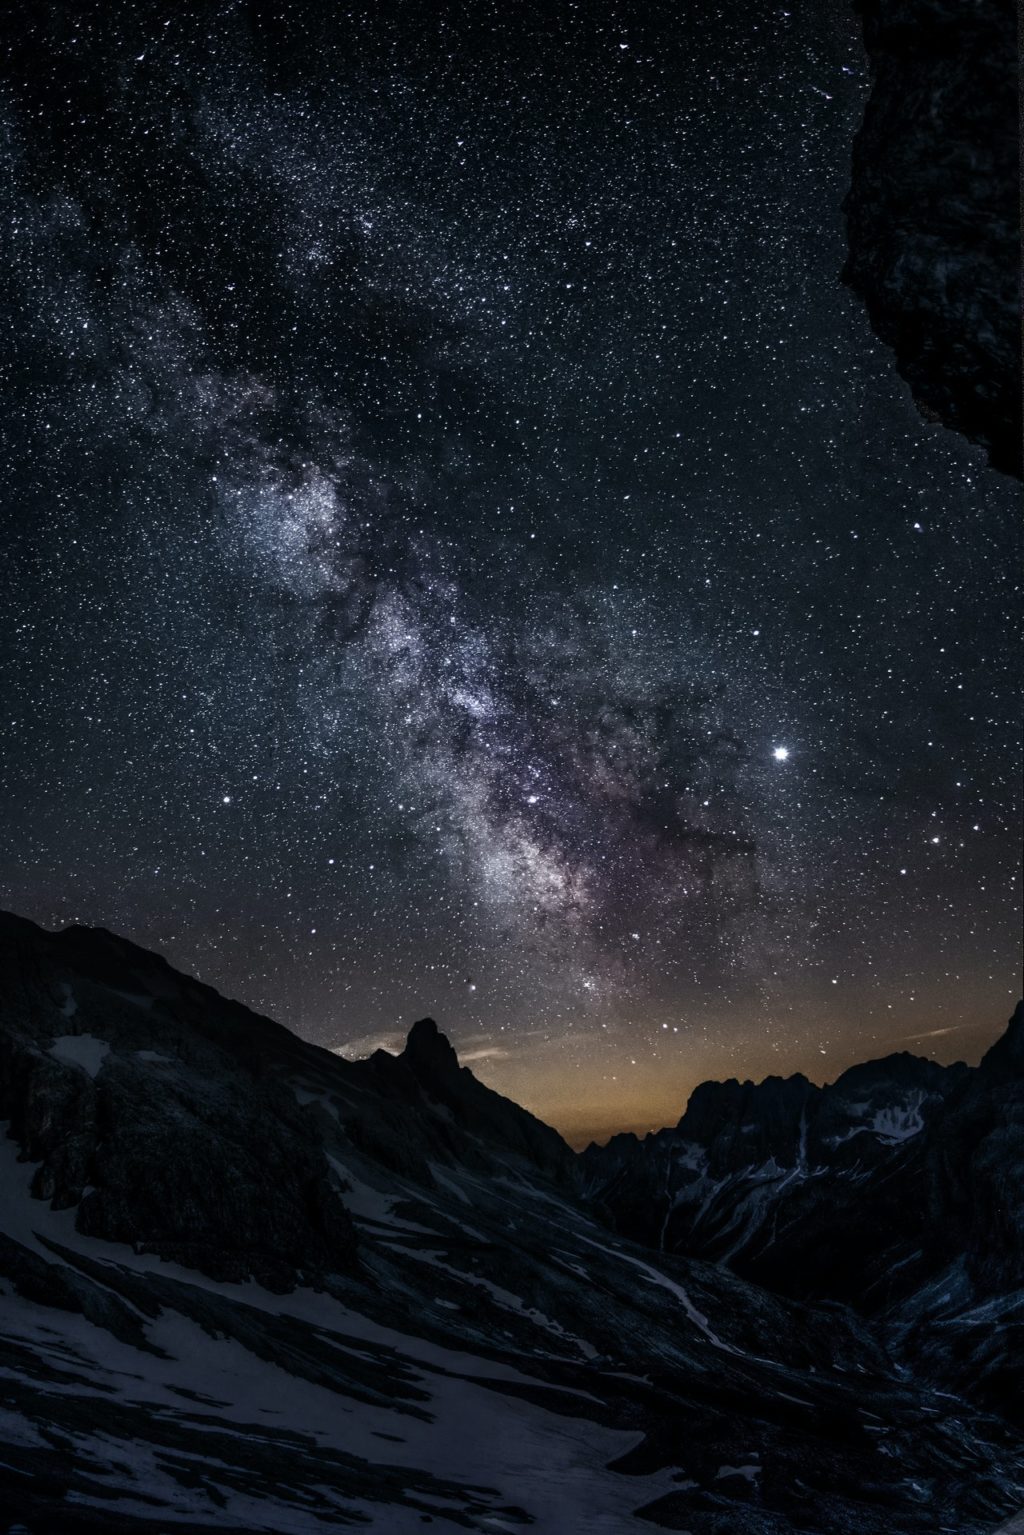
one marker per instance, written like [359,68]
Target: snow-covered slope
[245,1285]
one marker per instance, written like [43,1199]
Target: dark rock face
[435,1065]
[932,211]
[149,1103]
[421,1107]
[159,1110]
[898,1190]
[451,1335]
[740,1122]
[967,1329]
[976,1166]
[736,1179]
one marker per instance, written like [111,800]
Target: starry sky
[466,554]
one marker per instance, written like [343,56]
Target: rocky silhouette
[248,1285]
[897,1190]
[933,211]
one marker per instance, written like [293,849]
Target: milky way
[467,553]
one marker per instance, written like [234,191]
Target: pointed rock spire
[428,1050]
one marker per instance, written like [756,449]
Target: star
[373,555]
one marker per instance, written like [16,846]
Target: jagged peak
[742,1094]
[774,1080]
[427,1047]
[898,1068]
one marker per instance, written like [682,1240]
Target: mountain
[246,1285]
[897,1190]
[933,217]
[733,1178]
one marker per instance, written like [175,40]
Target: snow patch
[900,1122]
[691,1156]
[475,1434]
[750,1473]
[304,1096]
[83,1050]
[369,1204]
[698,1318]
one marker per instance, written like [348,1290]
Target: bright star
[781,753]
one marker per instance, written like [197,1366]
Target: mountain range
[248,1285]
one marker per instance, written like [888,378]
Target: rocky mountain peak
[429,1052]
[901,1069]
[743,1122]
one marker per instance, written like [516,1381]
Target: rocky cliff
[933,210]
[897,1190]
[247,1285]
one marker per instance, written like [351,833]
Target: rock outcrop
[152,1105]
[933,210]
[248,1285]
[897,1190]
[732,1181]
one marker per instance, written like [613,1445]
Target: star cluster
[467,553]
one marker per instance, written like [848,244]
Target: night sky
[465,552]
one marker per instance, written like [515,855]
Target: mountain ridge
[893,1060]
[248,1285]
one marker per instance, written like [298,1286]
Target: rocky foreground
[933,210]
[248,1285]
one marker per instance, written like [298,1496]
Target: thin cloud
[357,1049]
[953,1028]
